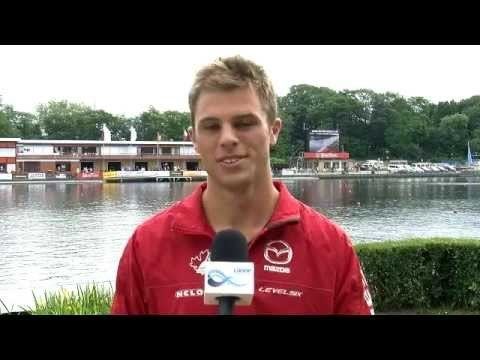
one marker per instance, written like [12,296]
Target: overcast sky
[128,79]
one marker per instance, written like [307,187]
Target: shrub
[423,273]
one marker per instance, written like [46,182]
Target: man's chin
[234,182]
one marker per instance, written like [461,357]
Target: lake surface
[60,235]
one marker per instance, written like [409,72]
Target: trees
[25,125]
[170,125]
[306,108]
[62,120]
[371,125]
[6,127]
[475,142]
[453,134]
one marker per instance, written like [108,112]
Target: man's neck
[247,210]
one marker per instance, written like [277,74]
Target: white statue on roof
[133,134]
[107,135]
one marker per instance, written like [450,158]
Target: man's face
[233,137]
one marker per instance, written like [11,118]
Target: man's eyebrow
[208,119]
[245,116]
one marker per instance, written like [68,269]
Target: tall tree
[26,124]
[170,125]
[62,120]
[361,117]
[453,134]
[475,142]
[7,129]
[174,124]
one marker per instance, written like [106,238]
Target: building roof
[10,139]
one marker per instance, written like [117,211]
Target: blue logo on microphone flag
[217,278]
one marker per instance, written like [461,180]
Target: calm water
[60,235]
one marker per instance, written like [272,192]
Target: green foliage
[6,127]
[371,125]
[62,120]
[90,300]
[383,126]
[423,273]
[170,125]
[453,132]
[475,143]
[25,125]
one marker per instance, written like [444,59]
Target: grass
[433,311]
[447,311]
[5,306]
[89,300]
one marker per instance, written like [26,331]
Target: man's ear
[275,131]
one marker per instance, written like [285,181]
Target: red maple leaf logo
[196,261]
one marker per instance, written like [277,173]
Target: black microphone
[229,275]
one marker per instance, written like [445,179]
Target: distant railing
[153,174]
[106,156]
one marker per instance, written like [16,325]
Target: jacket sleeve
[129,291]
[352,295]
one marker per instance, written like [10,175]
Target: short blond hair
[232,73]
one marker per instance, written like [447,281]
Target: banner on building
[36,176]
[5,176]
[327,155]
[89,175]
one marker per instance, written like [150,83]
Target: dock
[154,176]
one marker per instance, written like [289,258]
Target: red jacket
[304,264]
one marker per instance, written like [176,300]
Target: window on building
[147,150]
[114,166]
[89,150]
[192,165]
[87,166]
[69,150]
[167,165]
[166,150]
[141,166]
[3,167]
[62,166]
[31,166]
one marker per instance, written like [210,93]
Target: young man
[304,263]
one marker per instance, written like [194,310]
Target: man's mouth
[230,160]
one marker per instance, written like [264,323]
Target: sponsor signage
[36,176]
[327,155]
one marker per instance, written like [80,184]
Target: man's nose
[228,136]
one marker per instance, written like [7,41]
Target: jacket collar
[190,218]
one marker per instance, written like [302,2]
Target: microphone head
[229,275]
[229,245]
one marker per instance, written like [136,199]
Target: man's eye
[211,126]
[244,124]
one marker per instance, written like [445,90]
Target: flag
[469,155]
